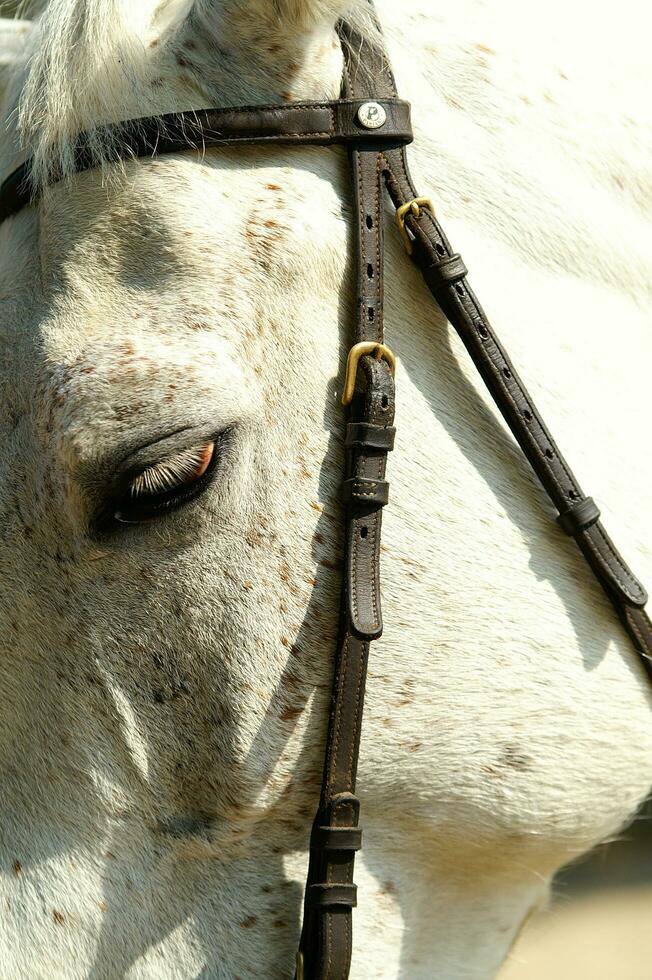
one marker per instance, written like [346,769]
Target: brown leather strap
[314,123]
[326,939]
[337,838]
[334,896]
[366,491]
[580,517]
[445,274]
[377,157]
[461,307]
[327,934]
[371,436]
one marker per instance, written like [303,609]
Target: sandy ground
[604,936]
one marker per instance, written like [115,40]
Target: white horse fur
[165,686]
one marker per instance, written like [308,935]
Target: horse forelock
[90,63]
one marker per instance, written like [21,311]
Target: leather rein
[375,126]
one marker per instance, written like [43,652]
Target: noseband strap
[375,126]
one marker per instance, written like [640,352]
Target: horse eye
[166,486]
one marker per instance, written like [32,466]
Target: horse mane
[89,63]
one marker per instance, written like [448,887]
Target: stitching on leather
[264,139]
[349,942]
[374,592]
[336,741]
[635,629]
[356,549]
[358,489]
[329,940]
[334,766]
[376,544]
[378,234]
[633,590]
[275,107]
[361,550]
[329,922]
[375,585]
[439,236]
[529,432]
[635,585]
[362,312]
[354,568]
[331,112]
[357,552]
[610,549]
[548,464]
[358,696]
[630,587]
[270,107]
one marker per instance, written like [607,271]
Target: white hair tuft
[91,63]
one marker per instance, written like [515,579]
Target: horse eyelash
[182,468]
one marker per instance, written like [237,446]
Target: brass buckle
[380,352]
[413,208]
[300,971]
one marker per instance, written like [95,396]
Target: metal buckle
[413,208]
[380,352]
[300,970]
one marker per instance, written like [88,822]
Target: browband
[309,123]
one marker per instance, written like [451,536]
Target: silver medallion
[371,115]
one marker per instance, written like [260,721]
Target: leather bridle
[375,126]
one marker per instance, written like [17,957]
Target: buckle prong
[414,208]
[379,351]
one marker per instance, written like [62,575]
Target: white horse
[172,340]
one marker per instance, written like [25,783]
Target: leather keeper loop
[445,273]
[364,491]
[580,517]
[337,838]
[368,436]
[345,896]
[344,807]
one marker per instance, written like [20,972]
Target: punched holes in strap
[445,273]
[365,435]
[333,895]
[580,517]
[365,491]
